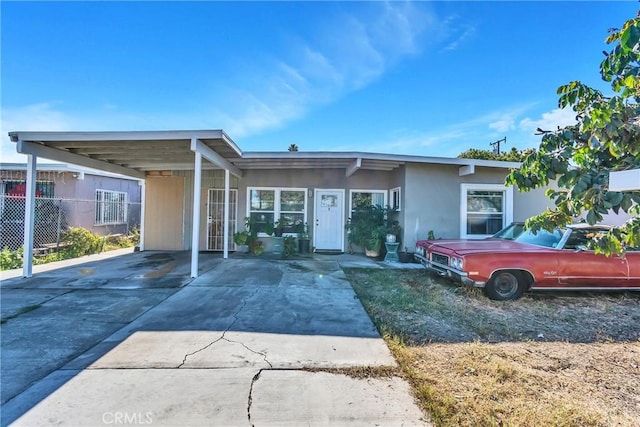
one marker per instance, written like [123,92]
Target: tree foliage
[513,155]
[605,138]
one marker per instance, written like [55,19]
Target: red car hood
[464,247]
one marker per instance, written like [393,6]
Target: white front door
[329,224]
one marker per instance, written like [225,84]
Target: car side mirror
[581,248]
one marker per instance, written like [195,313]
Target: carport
[131,154]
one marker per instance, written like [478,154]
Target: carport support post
[195,224]
[143,202]
[29,215]
[226,215]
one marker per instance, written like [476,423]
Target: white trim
[29,215]
[353,155]
[198,147]
[353,168]
[225,240]
[342,215]
[276,203]
[102,203]
[399,191]
[507,216]
[385,194]
[466,170]
[195,224]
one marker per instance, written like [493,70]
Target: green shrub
[82,242]
[290,247]
[10,259]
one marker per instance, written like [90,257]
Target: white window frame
[101,205]
[384,193]
[507,217]
[398,191]
[276,203]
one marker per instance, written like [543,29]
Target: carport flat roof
[133,153]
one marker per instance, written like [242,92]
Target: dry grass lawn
[547,359]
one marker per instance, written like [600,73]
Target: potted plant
[240,239]
[369,225]
[373,243]
[304,240]
[249,236]
[363,227]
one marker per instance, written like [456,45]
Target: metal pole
[29,215]
[226,215]
[195,226]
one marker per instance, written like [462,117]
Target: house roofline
[63,167]
[136,135]
[403,158]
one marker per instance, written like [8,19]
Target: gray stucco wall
[280,178]
[432,199]
[430,195]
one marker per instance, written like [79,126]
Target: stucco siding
[527,204]
[315,179]
[432,200]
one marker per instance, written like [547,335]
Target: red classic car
[505,268]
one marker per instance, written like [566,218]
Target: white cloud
[467,33]
[549,121]
[30,118]
[346,55]
[451,140]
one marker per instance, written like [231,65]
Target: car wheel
[505,285]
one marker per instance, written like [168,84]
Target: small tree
[293,147]
[605,138]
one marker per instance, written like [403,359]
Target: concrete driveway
[252,341]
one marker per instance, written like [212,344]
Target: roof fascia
[120,136]
[377,156]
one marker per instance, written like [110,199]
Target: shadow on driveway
[143,311]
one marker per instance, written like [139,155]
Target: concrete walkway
[252,341]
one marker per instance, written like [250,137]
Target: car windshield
[540,238]
[510,232]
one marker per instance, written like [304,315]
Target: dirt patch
[564,359]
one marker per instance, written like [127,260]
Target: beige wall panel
[164,217]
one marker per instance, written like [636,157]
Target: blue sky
[423,78]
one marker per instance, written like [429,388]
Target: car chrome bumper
[448,272]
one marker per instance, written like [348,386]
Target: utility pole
[496,145]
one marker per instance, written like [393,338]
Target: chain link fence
[54,216]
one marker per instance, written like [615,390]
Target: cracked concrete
[237,346]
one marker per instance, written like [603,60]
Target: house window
[267,205]
[484,209]
[18,188]
[366,198]
[394,196]
[111,207]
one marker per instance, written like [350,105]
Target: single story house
[204,178]
[101,202]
